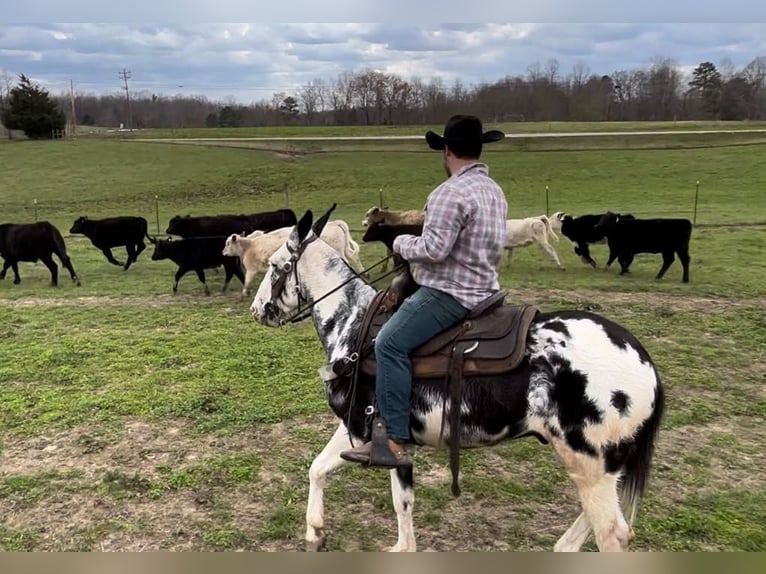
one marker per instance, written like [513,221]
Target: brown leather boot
[391,457]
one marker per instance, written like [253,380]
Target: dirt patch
[697,446]
[690,460]
[140,448]
[109,301]
[675,302]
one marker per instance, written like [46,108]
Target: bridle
[281,274]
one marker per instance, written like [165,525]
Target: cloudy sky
[252,61]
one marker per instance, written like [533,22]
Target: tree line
[657,92]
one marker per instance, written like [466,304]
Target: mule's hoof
[317,545]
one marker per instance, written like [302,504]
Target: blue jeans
[420,317]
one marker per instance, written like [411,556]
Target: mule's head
[280,293]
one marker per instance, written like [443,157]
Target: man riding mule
[582,383]
[457,255]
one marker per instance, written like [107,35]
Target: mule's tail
[639,460]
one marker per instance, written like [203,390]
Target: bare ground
[85,517]
[672,301]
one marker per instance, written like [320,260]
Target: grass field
[137,420]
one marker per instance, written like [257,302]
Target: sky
[250,62]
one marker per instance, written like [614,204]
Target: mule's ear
[322,221]
[301,230]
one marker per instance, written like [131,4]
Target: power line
[125,76]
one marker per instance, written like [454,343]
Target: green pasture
[134,419]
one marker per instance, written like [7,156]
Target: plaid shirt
[463,237]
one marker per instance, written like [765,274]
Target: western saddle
[490,340]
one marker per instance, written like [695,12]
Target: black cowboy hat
[462,129]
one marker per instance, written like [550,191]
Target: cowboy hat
[462,129]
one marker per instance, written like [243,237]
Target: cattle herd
[242,244]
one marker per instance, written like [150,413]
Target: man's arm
[445,217]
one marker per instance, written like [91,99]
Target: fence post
[287,198]
[35,204]
[696,198]
[546,201]
[157,212]
[380,197]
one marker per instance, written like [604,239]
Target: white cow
[255,249]
[523,232]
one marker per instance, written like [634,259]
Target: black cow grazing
[33,242]
[197,254]
[114,232]
[581,231]
[628,236]
[206,226]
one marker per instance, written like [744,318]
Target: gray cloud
[251,61]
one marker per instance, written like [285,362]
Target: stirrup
[380,453]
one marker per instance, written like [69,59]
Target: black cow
[582,230]
[33,242]
[205,226]
[628,236]
[197,254]
[114,232]
[386,235]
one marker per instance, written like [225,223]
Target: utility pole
[71,123]
[124,75]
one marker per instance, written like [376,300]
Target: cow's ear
[322,221]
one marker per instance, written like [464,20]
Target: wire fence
[41,211]
[692,210]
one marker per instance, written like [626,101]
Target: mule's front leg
[327,461]
[403,495]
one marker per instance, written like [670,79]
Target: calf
[205,226]
[255,249]
[386,234]
[628,236]
[197,254]
[385,216]
[114,232]
[33,242]
[581,231]
[523,232]
[390,217]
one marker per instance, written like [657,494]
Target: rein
[303,312]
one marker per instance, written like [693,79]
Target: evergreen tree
[707,81]
[31,109]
